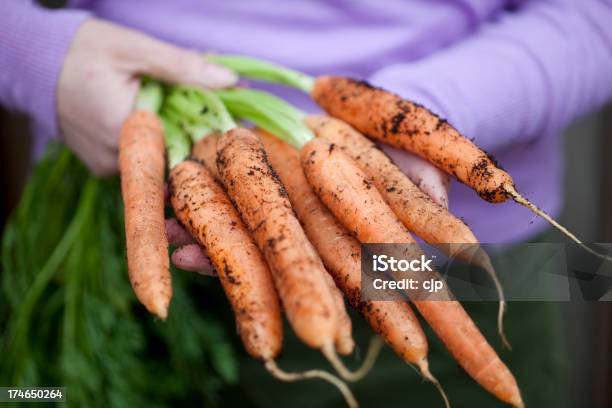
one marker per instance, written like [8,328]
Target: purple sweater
[509,74]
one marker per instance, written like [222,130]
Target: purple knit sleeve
[33,43]
[529,72]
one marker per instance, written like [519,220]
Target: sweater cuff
[34,42]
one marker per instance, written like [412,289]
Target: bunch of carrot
[281,211]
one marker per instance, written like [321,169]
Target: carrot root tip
[374,348]
[424,369]
[159,308]
[282,375]
[517,402]
[488,267]
[518,198]
[500,324]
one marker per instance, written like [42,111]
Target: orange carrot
[343,340]
[394,320]
[205,150]
[350,196]
[296,267]
[141,165]
[417,211]
[406,125]
[390,119]
[208,214]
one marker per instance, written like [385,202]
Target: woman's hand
[430,179]
[188,255]
[100,79]
[96,92]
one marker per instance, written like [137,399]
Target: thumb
[191,258]
[174,64]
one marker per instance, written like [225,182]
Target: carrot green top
[264,71]
[269,113]
[197,113]
[150,97]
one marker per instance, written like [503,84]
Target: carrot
[202,206]
[417,211]
[393,320]
[406,125]
[343,338]
[297,269]
[141,166]
[207,213]
[344,342]
[349,195]
[390,119]
[205,150]
[400,123]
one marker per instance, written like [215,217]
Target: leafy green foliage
[269,113]
[196,112]
[68,316]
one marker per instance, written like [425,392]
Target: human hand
[99,82]
[430,179]
[188,256]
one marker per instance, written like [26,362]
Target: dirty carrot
[393,320]
[263,204]
[141,166]
[297,269]
[350,196]
[388,118]
[261,200]
[205,150]
[406,125]
[417,211]
[204,209]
